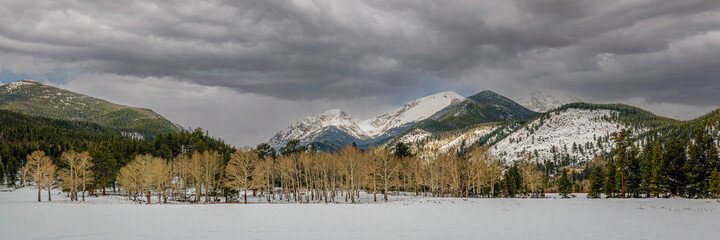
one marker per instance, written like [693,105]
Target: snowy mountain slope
[543,101]
[336,127]
[575,134]
[411,112]
[455,141]
[309,128]
[479,109]
[485,106]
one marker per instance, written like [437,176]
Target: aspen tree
[386,169]
[129,179]
[532,177]
[182,172]
[353,166]
[70,177]
[40,170]
[84,171]
[262,175]
[203,169]
[160,174]
[238,171]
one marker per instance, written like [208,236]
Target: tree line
[296,174]
[659,169]
[299,174]
[193,167]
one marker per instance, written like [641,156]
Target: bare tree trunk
[39,190]
[49,195]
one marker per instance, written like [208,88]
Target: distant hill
[30,97]
[683,130]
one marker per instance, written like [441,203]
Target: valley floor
[115,217]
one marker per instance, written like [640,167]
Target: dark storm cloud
[664,51]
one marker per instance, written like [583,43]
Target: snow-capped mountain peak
[337,117]
[413,111]
[543,101]
[309,128]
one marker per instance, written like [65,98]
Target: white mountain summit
[328,124]
[543,101]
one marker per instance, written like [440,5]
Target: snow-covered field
[405,218]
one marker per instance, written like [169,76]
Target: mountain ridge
[34,98]
[311,130]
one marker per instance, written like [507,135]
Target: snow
[404,218]
[422,144]
[412,112]
[560,130]
[414,136]
[468,137]
[543,101]
[309,127]
[10,87]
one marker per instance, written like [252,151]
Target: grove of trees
[659,169]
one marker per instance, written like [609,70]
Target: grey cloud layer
[662,51]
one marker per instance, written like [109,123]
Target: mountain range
[563,129]
[438,112]
[335,128]
[569,132]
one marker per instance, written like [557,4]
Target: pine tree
[610,183]
[291,147]
[625,157]
[401,150]
[703,158]
[2,172]
[104,167]
[265,150]
[513,181]
[647,165]
[564,185]
[658,172]
[675,158]
[596,182]
[714,184]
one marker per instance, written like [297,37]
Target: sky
[244,70]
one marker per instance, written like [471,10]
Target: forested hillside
[38,99]
[22,134]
